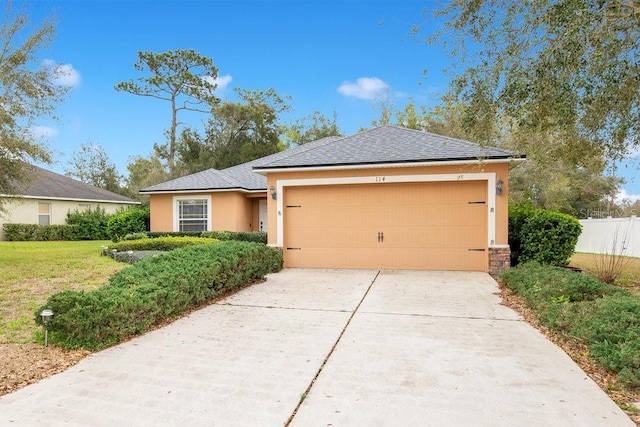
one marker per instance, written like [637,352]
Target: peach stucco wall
[231,210]
[500,169]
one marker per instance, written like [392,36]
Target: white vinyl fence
[599,234]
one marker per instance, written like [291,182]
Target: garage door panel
[422,225]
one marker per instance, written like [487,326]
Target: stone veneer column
[499,259]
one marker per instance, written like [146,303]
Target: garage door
[431,226]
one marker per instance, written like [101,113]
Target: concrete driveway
[330,348]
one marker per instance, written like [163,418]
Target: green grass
[30,272]
[630,278]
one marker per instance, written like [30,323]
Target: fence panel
[610,235]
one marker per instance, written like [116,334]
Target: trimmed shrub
[35,232]
[154,289]
[90,224]
[156,234]
[159,244]
[132,220]
[135,236]
[242,236]
[543,284]
[548,237]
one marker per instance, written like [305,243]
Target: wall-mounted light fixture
[272,190]
[499,185]
[46,315]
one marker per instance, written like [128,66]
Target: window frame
[176,209]
[47,215]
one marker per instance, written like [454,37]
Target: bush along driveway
[154,289]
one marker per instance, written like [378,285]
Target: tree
[237,132]
[567,67]
[183,77]
[144,172]
[310,128]
[91,165]
[25,95]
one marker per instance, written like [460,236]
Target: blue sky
[326,55]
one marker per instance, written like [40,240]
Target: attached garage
[391,198]
[420,225]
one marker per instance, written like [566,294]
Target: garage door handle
[476,249]
[380,236]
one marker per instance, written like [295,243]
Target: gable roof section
[239,177]
[50,185]
[388,145]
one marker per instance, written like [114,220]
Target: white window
[192,214]
[44,213]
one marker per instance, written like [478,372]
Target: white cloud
[221,81]
[43,132]
[364,88]
[62,74]
[622,195]
[633,152]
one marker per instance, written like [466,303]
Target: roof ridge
[466,141]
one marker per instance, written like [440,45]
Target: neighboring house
[48,197]
[389,198]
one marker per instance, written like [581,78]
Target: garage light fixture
[499,185]
[272,190]
[46,315]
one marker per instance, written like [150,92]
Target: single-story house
[388,198]
[48,197]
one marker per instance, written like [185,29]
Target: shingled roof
[50,185]
[379,146]
[388,145]
[239,177]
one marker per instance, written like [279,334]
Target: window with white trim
[193,214]
[44,213]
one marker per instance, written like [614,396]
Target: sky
[330,56]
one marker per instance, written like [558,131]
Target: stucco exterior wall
[25,211]
[501,171]
[230,210]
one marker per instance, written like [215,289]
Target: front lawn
[30,272]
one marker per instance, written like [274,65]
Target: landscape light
[46,315]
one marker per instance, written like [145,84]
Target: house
[389,198]
[48,197]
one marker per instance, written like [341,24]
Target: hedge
[153,290]
[90,224]
[159,244]
[132,220]
[243,236]
[35,232]
[541,235]
[604,318]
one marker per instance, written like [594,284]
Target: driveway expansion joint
[326,359]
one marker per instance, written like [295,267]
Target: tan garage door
[432,226]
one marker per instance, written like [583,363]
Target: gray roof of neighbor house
[382,145]
[388,145]
[50,185]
